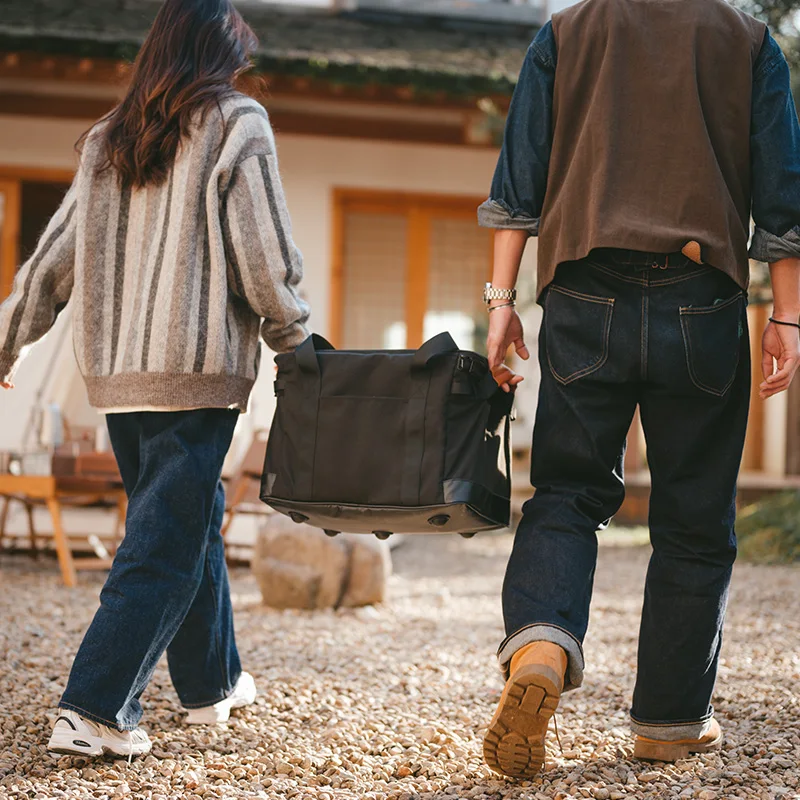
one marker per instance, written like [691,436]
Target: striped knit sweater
[170,284]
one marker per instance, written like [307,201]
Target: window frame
[11,180]
[419,209]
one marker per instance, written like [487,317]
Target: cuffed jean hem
[94,718]
[672,731]
[542,632]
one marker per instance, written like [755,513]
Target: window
[28,199]
[407,267]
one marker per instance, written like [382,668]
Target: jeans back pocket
[712,340]
[577,327]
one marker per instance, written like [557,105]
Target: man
[641,137]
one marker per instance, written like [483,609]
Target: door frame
[419,208]
[11,180]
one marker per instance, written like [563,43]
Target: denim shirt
[520,180]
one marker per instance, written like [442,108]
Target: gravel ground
[391,702]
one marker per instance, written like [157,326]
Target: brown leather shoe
[514,743]
[658,750]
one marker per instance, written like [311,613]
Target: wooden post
[419,248]
[62,545]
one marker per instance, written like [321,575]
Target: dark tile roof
[428,54]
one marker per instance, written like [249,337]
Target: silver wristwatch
[490,293]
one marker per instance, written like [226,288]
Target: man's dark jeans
[168,588]
[620,333]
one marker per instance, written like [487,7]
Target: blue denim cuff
[672,731]
[494,214]
[542,632]
[770,248]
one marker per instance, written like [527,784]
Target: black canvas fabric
[389,441]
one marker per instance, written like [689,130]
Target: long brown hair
[188,63]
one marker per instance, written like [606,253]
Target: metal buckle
[466,364]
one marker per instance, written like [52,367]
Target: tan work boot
[659,750]
[514,743]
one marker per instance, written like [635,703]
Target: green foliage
[778,14]
[783,18]
[769,531]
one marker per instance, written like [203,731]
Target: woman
[175,246]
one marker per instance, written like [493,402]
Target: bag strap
[306,353]
[437,346]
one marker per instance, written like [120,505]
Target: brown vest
[651,142]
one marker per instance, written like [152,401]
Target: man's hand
[505,329]
[780,358]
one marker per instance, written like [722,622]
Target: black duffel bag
[389,441]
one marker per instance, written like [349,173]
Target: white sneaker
[75,736]
[244,694]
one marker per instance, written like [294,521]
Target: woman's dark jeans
[619,333]
[168,587]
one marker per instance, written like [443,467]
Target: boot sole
[653,750]
[514,745]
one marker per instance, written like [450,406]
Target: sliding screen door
[407,267]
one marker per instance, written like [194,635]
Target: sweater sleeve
[264,264]
[41,289]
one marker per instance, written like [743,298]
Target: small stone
[649,777]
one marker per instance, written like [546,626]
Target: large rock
[298,566]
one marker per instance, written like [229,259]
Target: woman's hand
[780,347]
[6,385]
[505,329]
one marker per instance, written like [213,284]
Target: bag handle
[306,353]
[437,346]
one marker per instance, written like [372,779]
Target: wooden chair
[80,479]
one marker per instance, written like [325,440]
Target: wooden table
[54,492]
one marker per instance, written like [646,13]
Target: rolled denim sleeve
[775,158]
[520,179]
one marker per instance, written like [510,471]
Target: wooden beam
[63,68]
[308,123]
[753,457]
[110,72]
[395,130]
[338,238]
[54,106]
[35,174]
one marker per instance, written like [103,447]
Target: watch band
[490,293]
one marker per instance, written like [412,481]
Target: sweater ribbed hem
[169,391]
